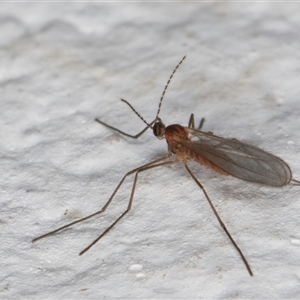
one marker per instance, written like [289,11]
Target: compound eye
[156,129]
[159,130]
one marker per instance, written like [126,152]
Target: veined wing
[241,160]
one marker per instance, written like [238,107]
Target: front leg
[122,132]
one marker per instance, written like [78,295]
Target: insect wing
[241,160]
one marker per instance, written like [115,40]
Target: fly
[225,156]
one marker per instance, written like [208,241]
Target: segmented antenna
[163,94]
[136,112]
[161,98]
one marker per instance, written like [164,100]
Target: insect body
[226,156]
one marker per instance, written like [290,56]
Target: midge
[226,156]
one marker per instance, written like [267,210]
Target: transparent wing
[239,159]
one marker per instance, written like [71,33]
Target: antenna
[163,94]
[161,98]
[136,112]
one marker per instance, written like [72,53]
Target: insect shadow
[225,156]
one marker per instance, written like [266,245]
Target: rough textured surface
[62,65]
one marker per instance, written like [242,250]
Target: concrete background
[62,65]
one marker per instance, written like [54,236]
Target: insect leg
[141,169]
[201,124]
[122,132]
[192,123]
[297,182]
[219,219]
[105,205]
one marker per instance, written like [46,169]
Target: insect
[225,156]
